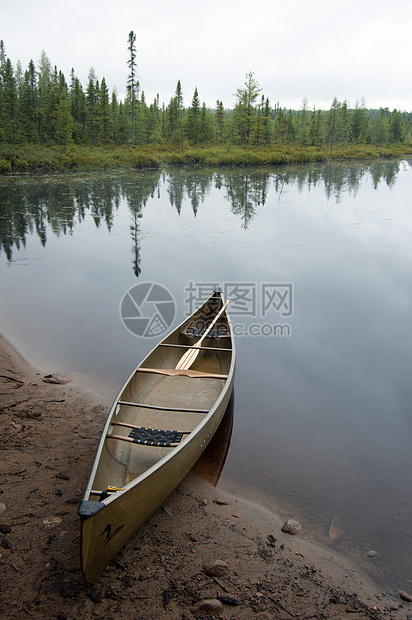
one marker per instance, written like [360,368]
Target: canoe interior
[121,462]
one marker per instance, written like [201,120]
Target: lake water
[317,262]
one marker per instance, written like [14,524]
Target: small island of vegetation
[49,124]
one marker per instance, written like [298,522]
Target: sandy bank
[49,433]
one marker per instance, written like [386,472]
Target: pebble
[216,568]
[211,605]
[405,596]
[168,511]
[291,527]
[2,507]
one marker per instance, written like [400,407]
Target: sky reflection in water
[322,419]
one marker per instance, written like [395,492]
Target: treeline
[39,106]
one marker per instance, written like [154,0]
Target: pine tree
[179,96]
[43,85]
[64,121]
[9,103]
[219,119]
[132,82]
[266,121]
[91,107]
[316,129]
[104,119]
[360,123]
[156,135]
[193,119]
[396,127]
[77,101]
[245,110]
[174,116]
[303,124]
[27,105]
[381,132]
[257,137]
[333,123]
[207,126]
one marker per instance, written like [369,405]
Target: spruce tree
[104,119]
[9,103]
[193,119]
[91,105]
[132,82]
[245,107]
[219,119]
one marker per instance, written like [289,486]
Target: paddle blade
[187,359]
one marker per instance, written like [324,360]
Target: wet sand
[49,434]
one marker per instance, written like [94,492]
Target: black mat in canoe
[155,437]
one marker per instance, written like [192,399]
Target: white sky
[316,49]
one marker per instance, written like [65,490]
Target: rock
[334,531]
[371,553]
[220,502]
[211,605]
[168,511]
[57,378]
[291,527]
[2,507]
[405,596]
[216,568]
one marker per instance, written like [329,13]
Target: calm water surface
[322,414]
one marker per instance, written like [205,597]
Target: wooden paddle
[189,357]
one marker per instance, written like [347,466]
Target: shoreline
[42,159]
[49,435]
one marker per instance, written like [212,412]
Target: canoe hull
[108,524]
[105,533]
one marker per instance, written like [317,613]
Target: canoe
[158,426]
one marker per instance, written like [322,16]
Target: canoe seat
[183,372]
[198,333]
[151,437]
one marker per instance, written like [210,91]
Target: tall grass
[35,158]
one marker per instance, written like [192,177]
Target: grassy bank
[37,158]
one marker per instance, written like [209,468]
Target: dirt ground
[49,434]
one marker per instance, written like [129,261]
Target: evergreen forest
[40,107]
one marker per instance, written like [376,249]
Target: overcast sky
[318,49]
